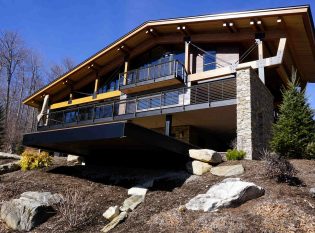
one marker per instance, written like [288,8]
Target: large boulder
[9,167]
[74,159]
[198,168]
[233,170]
[230,192]
[30,210]
[205,155]
[312,192]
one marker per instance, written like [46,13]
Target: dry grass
[73,212]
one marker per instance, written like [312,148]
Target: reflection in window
[209,60]
[70,117]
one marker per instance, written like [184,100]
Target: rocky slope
[283,208]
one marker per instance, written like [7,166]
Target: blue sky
[80,28]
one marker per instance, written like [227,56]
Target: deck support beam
[96,87]
[261,69]
[44,110]
[168,125]
[265,62]
[187,55]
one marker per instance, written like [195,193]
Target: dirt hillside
[283,208]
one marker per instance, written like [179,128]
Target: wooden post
[187,56]
[261,69]
[70,97]
[96,86]
[168,125]
[125,71]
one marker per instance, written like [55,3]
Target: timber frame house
[175,84]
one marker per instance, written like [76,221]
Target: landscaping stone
[138,191]
[232,170]
[30,210]
[131,203]
[74,159]
[205,155]
[9,156]
[228,193]
[312,192]
[115,222]
[198,168]
[9,167]
[111,213]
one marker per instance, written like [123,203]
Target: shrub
[295,127]
[31,160]
[74,211]
[310,150]
[235,154]
[277,167]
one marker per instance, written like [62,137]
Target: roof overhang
[298,26]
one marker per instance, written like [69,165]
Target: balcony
[156,76]
[212,94]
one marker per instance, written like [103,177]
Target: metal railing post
[184,97]
[136,105]
[113,109]
[222,90]
[63,117]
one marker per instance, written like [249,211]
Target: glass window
[209,60]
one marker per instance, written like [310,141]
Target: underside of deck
[107,140]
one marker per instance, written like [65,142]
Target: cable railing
[181,99]
[153,73]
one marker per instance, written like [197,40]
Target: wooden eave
[298,26]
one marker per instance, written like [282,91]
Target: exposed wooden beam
[260,25]
[266,62]
[261,69]
[230,26]
[187,56]
[183,29]
[152,32]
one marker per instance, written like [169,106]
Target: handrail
[153,72]
[212,91]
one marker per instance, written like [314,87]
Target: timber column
[254,113]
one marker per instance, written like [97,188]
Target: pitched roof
[137,36]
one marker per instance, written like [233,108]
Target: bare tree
[12,53]
[56,70]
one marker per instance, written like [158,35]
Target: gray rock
[74,159]
[197,167]
[111,213]
[205,155]
[228,193]
[30,210]
[9,156]
[9,167]
[45,198]
[137,191]
[115,222]
[131,203]
[312,192]
[232,170]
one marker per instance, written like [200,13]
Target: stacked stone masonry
[254,113]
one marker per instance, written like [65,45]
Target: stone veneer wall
[254,113]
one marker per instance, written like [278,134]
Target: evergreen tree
[1,126]
[295,127]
